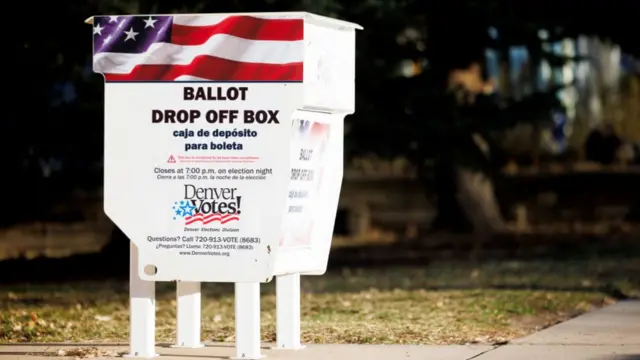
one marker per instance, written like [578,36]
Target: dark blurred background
[484,129]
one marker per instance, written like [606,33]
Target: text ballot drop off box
[224,157]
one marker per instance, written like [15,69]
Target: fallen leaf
[88,352]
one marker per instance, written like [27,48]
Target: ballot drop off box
[223,158]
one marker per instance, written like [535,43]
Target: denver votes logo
[202,206]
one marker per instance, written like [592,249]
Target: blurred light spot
[543,34]
[493,32]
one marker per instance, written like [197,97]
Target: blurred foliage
[52,129]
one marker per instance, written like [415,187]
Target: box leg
[189,300]
[142,310]
[288,312]
[247,302]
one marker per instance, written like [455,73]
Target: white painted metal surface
[247,303]
[189,303]
[255,199]
[288,312]
[142,311]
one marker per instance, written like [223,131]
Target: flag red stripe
[201,215]
[205,222]
[245,27]
[213,68]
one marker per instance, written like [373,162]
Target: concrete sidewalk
[612,333]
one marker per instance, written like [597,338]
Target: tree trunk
[467,200]
[449,214]
[477,198]
[633,215]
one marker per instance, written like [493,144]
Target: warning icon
[171,160]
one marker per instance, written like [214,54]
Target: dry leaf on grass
[87,353]
[434,304]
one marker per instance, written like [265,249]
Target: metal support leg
[189,303]
[288,312]
[247,302]
[142,308]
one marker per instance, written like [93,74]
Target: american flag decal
[206,219]
[205,47]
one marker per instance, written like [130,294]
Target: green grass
[443,303]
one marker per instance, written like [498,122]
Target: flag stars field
[131,35]
[98,30]
[149,22]
[214,48]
